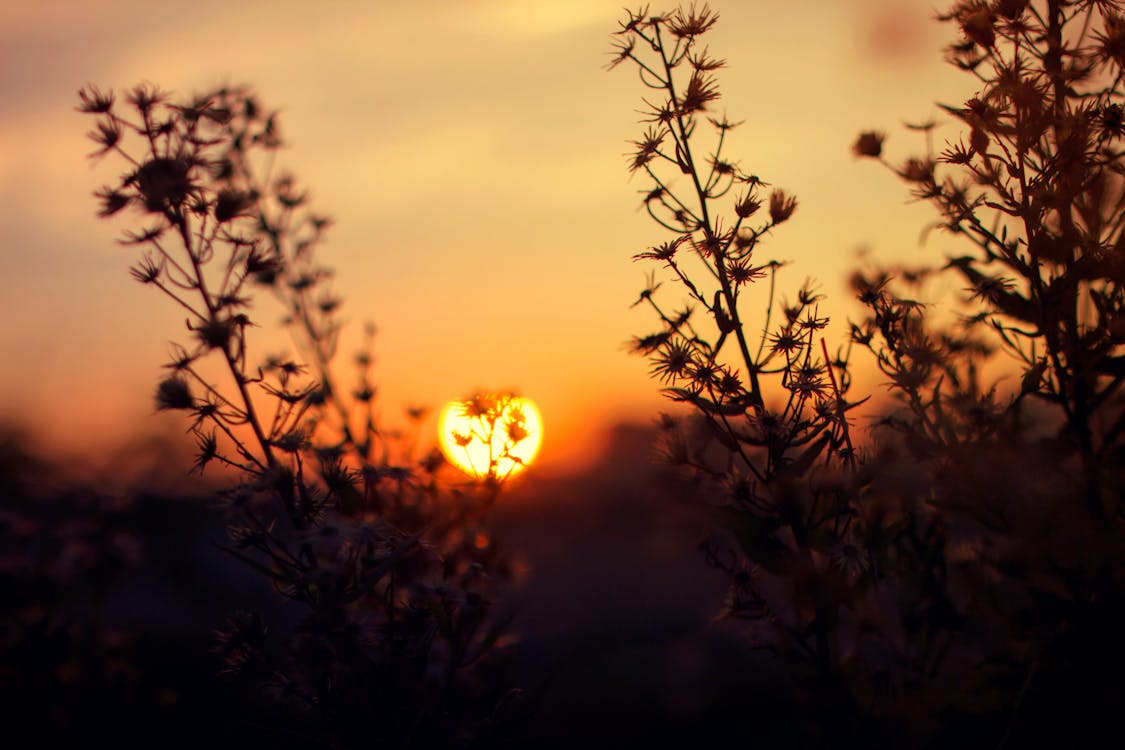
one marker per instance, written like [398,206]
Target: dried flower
[162,183]
[648,147]
[786,342]
[869,143]
[622,51]
[112,201]
[782,206]
[144,97]
[977,22]
[174,393]
[107,135]
[917,170]
[1113,120]
[700,92]
[649,344]
[1011,9]
[1111,40]
[147,271]
[230,204]
[665,251]
[703,61]
[673,361]
[742,272]
[692,22]
[207,448]
[93,101]
[747,206]
[215,333]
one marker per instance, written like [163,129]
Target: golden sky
[472,153]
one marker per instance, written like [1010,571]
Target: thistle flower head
[782,206]
[1011,9]
[977,23]
[1113,120]
[747,205]
[174,393]
[742,272]
[648,344]
[869,143]
[673,361]
[147,271]
[106,134]
[162,183]
[785,341]
[215,333]
[91,100]
[701,91]
[1111,40]
[230,204]
[112,201]
[692,22]
[144,97]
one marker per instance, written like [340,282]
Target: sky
[473,156]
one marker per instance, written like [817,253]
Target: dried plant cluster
[968,562]
[773,405]
[391,567]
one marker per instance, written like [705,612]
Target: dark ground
[110,608]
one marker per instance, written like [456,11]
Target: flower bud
[782,206]
[869,143]
[174,393]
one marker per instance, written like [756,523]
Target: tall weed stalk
[389,564]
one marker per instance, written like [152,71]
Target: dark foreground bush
[956,576]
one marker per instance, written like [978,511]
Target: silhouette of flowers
[929,553]
[395,630]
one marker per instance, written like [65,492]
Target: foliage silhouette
[389,563]
[968,561]
[953,575]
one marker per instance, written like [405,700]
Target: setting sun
[490,435]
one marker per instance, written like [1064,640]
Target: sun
[490,435]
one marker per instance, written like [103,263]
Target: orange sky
[472,155]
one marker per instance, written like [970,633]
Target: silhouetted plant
[1037,191]
[1019,517]
[775,441]
[383,556]
[926,587]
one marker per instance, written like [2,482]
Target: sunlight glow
[489,435]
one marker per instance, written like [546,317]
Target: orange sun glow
[490,435]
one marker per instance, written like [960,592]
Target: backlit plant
[382,556]
[933,581]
